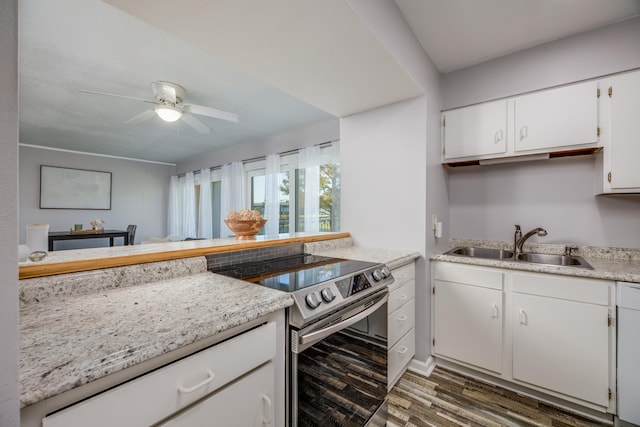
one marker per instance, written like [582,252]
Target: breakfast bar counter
[69,261]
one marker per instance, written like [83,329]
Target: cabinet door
[562,345]
[478,130]
[468,324]
[625,140]
[557,118]
[246,402]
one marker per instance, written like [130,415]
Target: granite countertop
[393,258]
[615,264]
[70,339]
[76,328]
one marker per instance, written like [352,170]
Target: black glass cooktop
[294,272]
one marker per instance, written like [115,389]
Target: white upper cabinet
[559,118]
[620,105]
[479,130]
[550,121]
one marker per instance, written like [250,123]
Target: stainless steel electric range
[336,370]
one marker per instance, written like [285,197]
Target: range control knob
[312,301]
[377,275]
[327,294]
[386,272]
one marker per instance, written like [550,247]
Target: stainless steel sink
[550,259]
[534,258]
[481,253]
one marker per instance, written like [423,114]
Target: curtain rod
[259,158]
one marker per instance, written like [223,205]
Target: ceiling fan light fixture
[168,113]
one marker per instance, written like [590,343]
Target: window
[291,193]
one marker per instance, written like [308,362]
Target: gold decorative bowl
[245,229]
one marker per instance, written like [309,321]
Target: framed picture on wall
[66,188]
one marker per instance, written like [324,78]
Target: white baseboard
[422,368]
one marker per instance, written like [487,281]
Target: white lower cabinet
[561,335]
[224,375]
[400,322]
[468,315]
[554,334]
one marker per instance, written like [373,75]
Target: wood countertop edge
[40,270]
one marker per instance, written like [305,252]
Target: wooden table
[105,234]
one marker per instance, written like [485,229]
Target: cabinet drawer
[401,296]
[161,393]
[400,355]
[246,402]
[400,321]
[467,275]
[402,275]
[576,289]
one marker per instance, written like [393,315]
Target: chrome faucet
[516,236]
[519,239]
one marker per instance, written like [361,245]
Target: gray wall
[558,194]
[139,195]
[607,50]
[290,140]
[9,389]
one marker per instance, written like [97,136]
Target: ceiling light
[168,113]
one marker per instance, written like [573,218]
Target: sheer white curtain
[182,202]
[205,214]
[232,193]
[173,216]
[272,195]
[309,160]
[189,206]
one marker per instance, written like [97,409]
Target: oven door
[338,375]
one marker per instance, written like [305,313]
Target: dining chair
[131,229]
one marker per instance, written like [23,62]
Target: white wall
[290,140]
[139,195]
[558,194]
[392,180]
[382,154]
[9,389]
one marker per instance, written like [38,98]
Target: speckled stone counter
[617,264]
[80,327]
[343,248]
[40,289]
[65,345]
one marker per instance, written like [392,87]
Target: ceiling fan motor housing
[168,92]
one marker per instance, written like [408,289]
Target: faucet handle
[517,227]
[568,250]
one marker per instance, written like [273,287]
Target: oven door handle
[316,336]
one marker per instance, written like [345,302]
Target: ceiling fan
[169,106]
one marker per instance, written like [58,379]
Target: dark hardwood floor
[448,399]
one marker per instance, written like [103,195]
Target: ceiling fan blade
[195,123]
[116,95]
[139,118]
[210,112]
